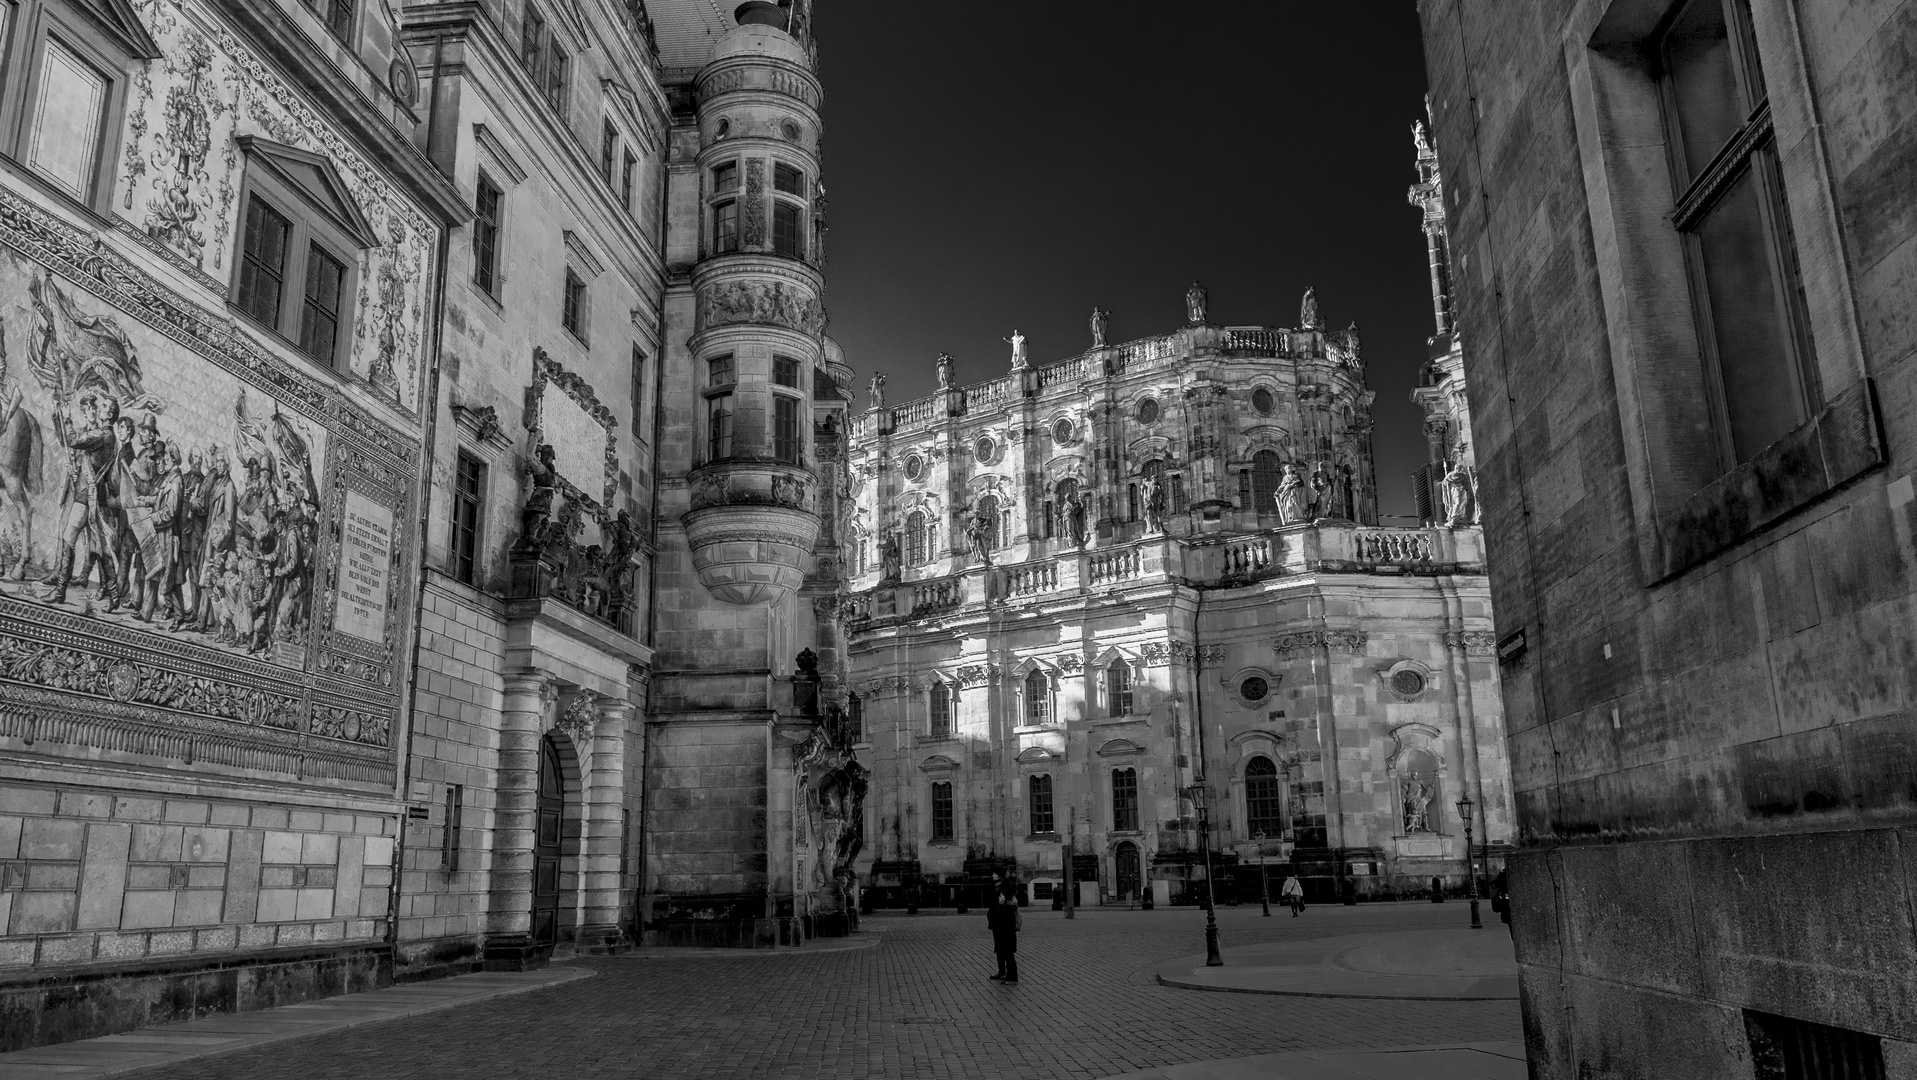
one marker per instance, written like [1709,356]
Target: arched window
[1264,802]
[988,534]
[938,701]
[1118,689]
[1125,800]
[1266,472]
[915,536]
[1040,800]
[1038,697]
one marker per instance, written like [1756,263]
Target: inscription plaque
[366,552]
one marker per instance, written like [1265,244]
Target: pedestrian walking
[1293,894]
[1003,919]
[1501,899]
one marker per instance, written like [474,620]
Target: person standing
[1293,894]
[1003,919]
[1501,899]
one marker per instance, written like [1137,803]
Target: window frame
[326,11]
[1258,798]
[467,521]
[608,148]
[1037,705]
[109,51]
[1037,823]
[787,227]
[1118,678]
[574,309]
[941,811]
[629,163]
[719,425]
[726,241]
[637,381]
[487,229]
[940,705]
[310,227]
[788,441]
[1125,799]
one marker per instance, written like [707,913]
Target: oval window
[1408,682]
[1148,411]
[1062,432]
[1261,400]
[724,129]
[914,467]
[986,450]
[791,131]
[1254,689]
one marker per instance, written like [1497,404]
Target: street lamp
[1470,865]
[1212,959]
[1264,883]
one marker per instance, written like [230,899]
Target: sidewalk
[1463,1061]
[1448,965]
[113,1055]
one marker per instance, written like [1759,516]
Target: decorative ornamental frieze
[335,722]
[54,667]
[1071,662]
[578,718]
[1288,646]
[978,674]
[752,216]
[1471,642]
[767,303]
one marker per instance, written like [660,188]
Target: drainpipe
[424,485]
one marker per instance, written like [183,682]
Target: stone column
[522,720]
[605,797]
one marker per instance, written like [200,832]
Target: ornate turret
[754,513]
[1447,485]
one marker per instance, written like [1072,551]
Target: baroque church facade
[1099,604]
[418,496]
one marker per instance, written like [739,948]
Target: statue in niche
[1101,326]
[890,561]
[981,528]
[1072,511]
[1308,318]
[544,487]
[1293,505]
[1017,341]
[945,371]
[1195,304]
[1457,492]
[1416,794]
[1153,499]
[877,389]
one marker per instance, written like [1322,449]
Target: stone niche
[751,527]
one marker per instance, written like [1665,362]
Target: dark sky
[994,165]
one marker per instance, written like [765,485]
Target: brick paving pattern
[918,1005]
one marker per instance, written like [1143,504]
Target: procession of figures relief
[205,546]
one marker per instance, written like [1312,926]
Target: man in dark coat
[1002,918]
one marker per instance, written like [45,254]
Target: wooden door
[547,830]
[1128,877]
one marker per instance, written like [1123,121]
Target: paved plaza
[909,998]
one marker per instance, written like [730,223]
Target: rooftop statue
[945,371]
[1195,304]
[1018,349]
[1101,325]
[877,390]
[1308,318]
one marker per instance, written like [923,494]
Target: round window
[790,130]
[1408,682]
[724,129]
[1148,411]
[986,450]
[1062,432]
[914,467]
[1253,689]
[1262,401]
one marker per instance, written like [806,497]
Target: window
[1254,689]
[337,15]
[914,467]
[67,68]
[1131,502]
[486,237]
[449,851]
[917,539]
[718,427]
[785,429]
[787,237]
[558,76]
[1744,277]
[1046,528]
[69,119]
[573,309]
[1062,432]
[1039,799]
[544,59]
[1177,505]
[719,371]
[532,40]
[855,718]
[725,177]
[297,251]
[939,701]
[1125,800]
[788,179]
[638,390]
[785,371]
[1038,697]
[1785,1048]
[725,227]
[1148,411]
[1266,473]
[469,500]
[942,810]
[625,181]
[608,146]
[1261,400]
[1264,801]
[1118,688]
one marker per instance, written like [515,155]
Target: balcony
[751,526]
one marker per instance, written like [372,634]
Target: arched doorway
[548,831]
[1126,857]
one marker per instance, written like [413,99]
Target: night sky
[993,165]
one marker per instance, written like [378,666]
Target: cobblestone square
[915,1004]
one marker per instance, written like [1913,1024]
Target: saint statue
[1073,511]
[1417,800]
[889,559]
[981,528]
[542,487]
[877,390]
[1293,506]
[945,371]
[1195,304]
[1153,501]
[1101,325]
[1457,492]
[1018,349]
[1308,318]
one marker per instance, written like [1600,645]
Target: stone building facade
[1685,253]
[217,254]
[1088,595]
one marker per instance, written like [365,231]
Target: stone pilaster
[509,947]
[603,832]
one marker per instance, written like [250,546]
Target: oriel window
[718,427]
[788,238]
[785,429]
[725,227]
[788,179]
[785,371]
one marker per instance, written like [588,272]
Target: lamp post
[1212,959]
[1470,864]
[1264,882]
